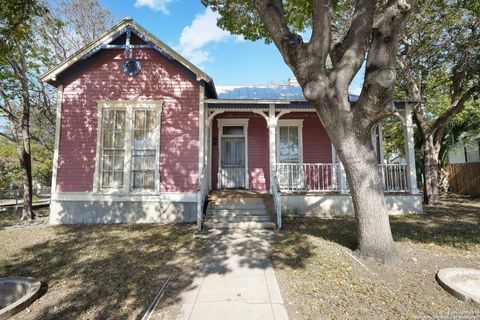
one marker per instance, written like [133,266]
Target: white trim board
[58,127]
[91,196]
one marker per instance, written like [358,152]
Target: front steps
[237,210]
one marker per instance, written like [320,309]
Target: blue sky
[190,29]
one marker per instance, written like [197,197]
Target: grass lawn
[102,271]
[321,280]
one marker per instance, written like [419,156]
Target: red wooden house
[143,135]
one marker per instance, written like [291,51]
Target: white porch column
[272,131]
[201,157]
[410,150]
[342,179]
[339,177]
[380,140]
[373,138]
[334,169]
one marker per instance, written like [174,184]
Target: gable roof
[103,42]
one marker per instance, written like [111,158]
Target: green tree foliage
[10,171]
[439,65]
[14,20]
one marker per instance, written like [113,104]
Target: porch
[281,147]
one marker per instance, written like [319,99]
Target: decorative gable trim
[127,26]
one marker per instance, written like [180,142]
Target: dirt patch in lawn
[10,216]
[320,279]
[102,271]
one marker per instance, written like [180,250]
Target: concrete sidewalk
[236,280]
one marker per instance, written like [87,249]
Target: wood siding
[159,79]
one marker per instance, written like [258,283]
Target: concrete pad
[236,280]
[251,289]
[462,283]
[232,310]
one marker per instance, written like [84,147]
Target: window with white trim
[289,146]
[128,146]
[113,149]
[289,141]
[143,150]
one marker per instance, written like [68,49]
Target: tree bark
[26,165]
[373,227]
[431,150]
[348,124]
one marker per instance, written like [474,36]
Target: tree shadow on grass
[449,224]
[109,271]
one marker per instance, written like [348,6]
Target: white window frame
[290,123]
[129,106]
[236,122]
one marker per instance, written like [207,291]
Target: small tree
[19,63]
[440,71]
[30,43]
[347,34]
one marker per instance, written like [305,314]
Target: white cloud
[202,31]
[157,5]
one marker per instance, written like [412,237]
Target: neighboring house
[143,135]
[468,153]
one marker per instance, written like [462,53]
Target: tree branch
[350,53]
[380,73]
[319,44]
[456,107]
[290,44]
[9,138]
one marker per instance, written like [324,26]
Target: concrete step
[231,219]
[235,195]
[238,206]
[229,213]
[220,201]
[250,225]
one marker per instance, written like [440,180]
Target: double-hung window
[290,154]
[128,146]
[143,150]
[113,149]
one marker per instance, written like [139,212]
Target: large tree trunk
[26,165]
[431,151]
[365,183]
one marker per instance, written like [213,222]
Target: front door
[232,164]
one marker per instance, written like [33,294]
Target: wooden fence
[464,178]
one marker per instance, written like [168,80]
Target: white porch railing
[394,177]
[324,177]
[307,177]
